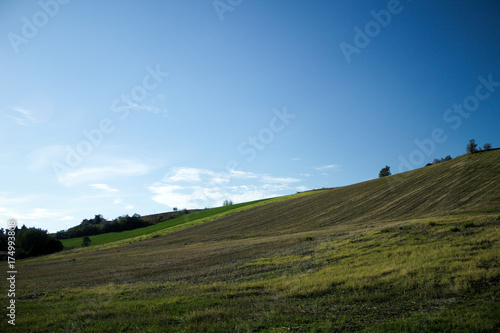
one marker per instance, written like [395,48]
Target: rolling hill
[417,251]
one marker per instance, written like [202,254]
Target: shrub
[86,241]
[385,172]
[54,245]
[440,160]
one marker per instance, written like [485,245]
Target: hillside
[417,251]
[465,184]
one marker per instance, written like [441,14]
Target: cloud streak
[327,167]
[23,117]
[124,168]
[35,214]
[103,187]
[196,188]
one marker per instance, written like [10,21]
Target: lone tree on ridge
[471,147]
[385,172]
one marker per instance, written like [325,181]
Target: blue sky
[122,107]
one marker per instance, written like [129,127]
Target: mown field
[172,225]
[160,227]
[417,252]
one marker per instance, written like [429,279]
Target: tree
[53,246]
[227,202]
[3,240]
[86,241]
[471,147]
[61,234]
[385,172]
[440,160]
[32,242]
[98,219]
[487,146]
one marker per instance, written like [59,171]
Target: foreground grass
[416,252]
[433,274]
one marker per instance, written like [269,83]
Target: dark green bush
[31,242]
[86,241]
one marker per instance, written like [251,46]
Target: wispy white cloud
[45,156]
[104,187]
[153,104]
[203,196]
[116,169]
[34,214]
[186,175]
[327,167]
[193,175]
[220,180]
[23,116]
[193,188]
[170,195]
[147,108]
[279,180]
[242,175]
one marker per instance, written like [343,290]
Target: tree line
[30,242]
[471,148]
[99,225]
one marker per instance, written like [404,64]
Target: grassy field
[168,226]
[153,229]
[417,252]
